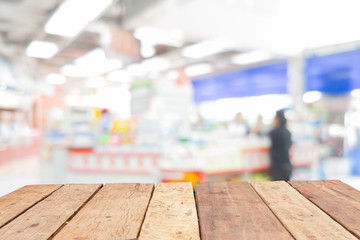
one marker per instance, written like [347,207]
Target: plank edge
[323,210]
[262,199]
[73,215]
[26,209]
[147,207]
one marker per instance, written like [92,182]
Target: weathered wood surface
[15,203]
[233,210]
[227,210]
[43,220]
[171,213]
[115,212]
[337,199]
[302,218]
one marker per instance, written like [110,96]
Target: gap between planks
[233,210]
[45,218]
[302,218]
[272,211]
[72,216]
[115,212]
[344,206]
[20,204]
[171,214]
[147,207]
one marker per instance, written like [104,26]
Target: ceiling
[282,27]
[22,21]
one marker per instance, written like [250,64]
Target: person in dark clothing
[280,137]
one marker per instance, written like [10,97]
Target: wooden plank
[45,218]
[115,212]
[233,210]
[17,202]
[337,199]
[302,218]
[171,213]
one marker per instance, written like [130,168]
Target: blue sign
[269,79]
[333,74]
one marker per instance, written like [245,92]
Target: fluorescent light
[115,98]
[147,51]
[251,57]
[336,130]
[198,69]
[355,93]
[156,64]
[136,69]
[71,70]
[207,48]
[312,96]
[95,63]
[91,58]
[2,86]
[119,76]
[172,75]
[154,36]
[55,79]
[113,64]
[96,82]
[40,49]
[74,15]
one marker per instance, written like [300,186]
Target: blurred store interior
[176,90]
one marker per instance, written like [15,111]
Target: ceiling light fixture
[70,70]
[74,15]
[156,64]
[3,85]
[121,76]
[154,36]
[207,48]
[312,96]
[55,79]
[96,82]
[198,69]
[91,58]
[147,51]
[251,57]
[41,49]
[136,69]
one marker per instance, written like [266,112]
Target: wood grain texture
[15,203]
[233,210]
[302,218]
[45,218]
[337,199]
[115,212]
[171,213]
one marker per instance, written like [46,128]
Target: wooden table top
[219,210]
